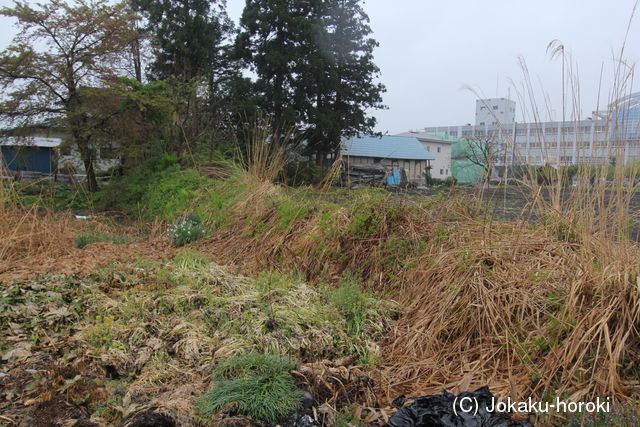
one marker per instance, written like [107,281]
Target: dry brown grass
[34,240]
[25,231]
[266,151]
[520,311]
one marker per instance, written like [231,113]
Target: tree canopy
[314,66]
[62,49]
[306,65]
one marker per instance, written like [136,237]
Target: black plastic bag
[447,410]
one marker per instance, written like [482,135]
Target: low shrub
[158,188]
[171,193]
[257,385]
[186,230]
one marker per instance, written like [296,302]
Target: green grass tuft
[257,385]
[89,237]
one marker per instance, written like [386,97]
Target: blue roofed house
[404,152]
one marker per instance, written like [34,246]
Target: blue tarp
[394,178]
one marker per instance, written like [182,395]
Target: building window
[495,107]
[427,147]
[446,171]
[481,123]
[441,172]
[438,149]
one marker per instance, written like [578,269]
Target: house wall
[441,166]
[74,161]
[69,157]
[27,158]
[414,169]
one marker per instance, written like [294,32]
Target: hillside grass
[531,309]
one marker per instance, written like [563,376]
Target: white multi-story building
[495,110]
[439,148]
[607,137]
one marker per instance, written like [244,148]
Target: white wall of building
[551,143]
[495,111]
[441,150]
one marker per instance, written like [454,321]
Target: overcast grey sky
[430,50]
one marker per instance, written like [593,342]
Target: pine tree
[189,37]
[314,65]
[272,43]
[353,89]
[192,46]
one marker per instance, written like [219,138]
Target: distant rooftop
[385,147]
[430,136]
[30,141]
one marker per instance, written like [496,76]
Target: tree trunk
[85,153]
[137,61]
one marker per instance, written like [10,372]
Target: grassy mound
[532,309]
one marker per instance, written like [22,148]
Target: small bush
[171,193]
[87,238]
[186,230]
[257,385]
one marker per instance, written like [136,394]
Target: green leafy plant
[102,333]
[257,385]
[186,230]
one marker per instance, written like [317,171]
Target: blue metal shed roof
[385,147]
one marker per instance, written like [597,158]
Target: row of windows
[495,107]
[578,144]
[521,131]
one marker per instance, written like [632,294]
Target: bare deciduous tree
[482,151]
